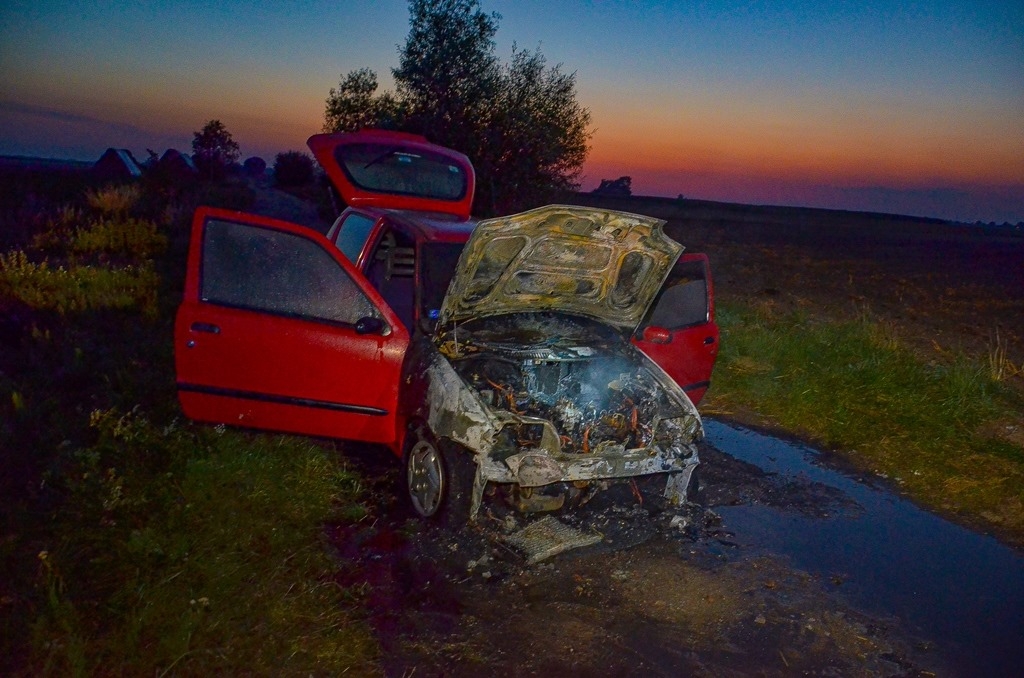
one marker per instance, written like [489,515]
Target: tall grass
[115,200]
[43,286]
[852,386]
[195,551]
[134,544]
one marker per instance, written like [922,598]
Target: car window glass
[683,300]
[354,231]
[332,232]
[387,168]
[266,270]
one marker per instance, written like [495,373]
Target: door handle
[205,327]
[708,341]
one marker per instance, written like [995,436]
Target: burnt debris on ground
[666,590]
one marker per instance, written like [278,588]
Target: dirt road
[667,592]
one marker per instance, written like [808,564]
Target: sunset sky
[893,106]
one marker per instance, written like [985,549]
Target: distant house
[178,165]
[117,163]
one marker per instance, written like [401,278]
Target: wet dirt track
[774,572]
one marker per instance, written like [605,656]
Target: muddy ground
[667,592]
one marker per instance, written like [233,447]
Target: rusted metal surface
[595,263]
[534,375]
[559,413]
[548,537]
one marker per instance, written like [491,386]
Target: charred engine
[594,402]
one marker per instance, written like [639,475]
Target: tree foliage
[519,122]
[213,150]
[293,168]
[355,104]
[621,187]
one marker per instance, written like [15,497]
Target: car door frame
[301,401]
[687,352]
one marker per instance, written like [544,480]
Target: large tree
[355,104]
[519,123]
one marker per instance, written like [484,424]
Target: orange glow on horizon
[893,157]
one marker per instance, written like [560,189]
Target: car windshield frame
[438,261]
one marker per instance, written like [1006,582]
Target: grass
[195,551]
[853,387]
[133,542]
[71,288]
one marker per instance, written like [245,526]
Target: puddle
[962,590]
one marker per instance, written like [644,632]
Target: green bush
[136,239]
[293,169]
[77,288]
[176,543]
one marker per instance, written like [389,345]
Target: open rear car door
[680,333]
[277,330]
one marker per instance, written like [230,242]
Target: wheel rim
[425,477]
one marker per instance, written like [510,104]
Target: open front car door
[277,330]
[680,333]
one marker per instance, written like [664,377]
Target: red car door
[277,330]
[679,332]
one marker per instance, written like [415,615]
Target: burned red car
[538,357]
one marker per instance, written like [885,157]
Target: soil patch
[665,593]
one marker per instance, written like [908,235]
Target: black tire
[438,478]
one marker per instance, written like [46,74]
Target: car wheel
[438,478]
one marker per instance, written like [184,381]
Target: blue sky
[912,107]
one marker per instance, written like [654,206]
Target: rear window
[399,170]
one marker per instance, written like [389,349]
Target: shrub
[255,166]
[121,236]
[134,238]
[293,169]
[116,200]
[77,288]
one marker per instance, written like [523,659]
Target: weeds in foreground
[1000,367]
[852,386]
[176,543]
[134,544]
[77,288]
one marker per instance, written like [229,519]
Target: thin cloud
[17,107]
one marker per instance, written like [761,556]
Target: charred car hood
[595,263]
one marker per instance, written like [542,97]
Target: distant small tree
[213,150]
[621,187]
[293,168]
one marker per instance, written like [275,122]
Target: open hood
[582,261]
[395,170]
